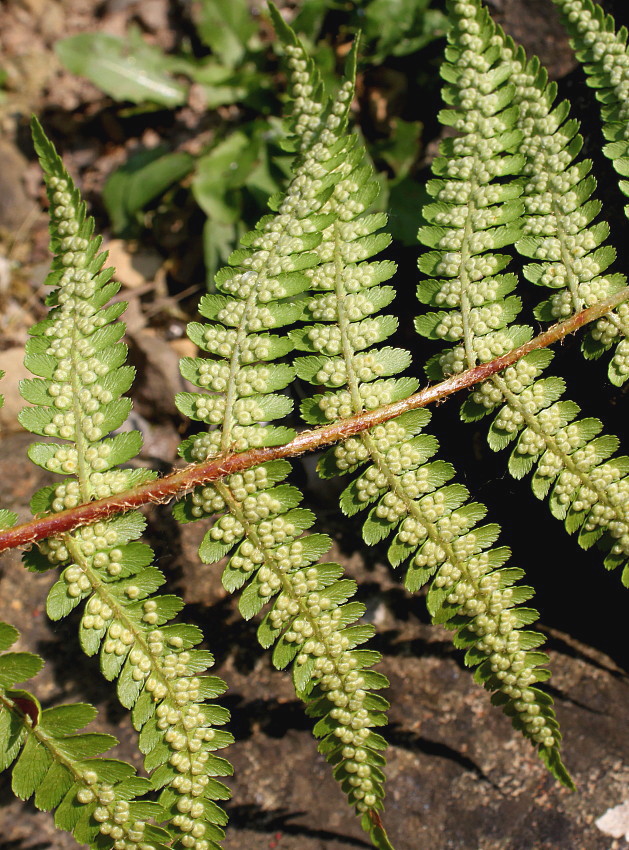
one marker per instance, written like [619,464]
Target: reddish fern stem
[182,481]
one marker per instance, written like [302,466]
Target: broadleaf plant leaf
[126,70]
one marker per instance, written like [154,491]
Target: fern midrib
[551,444]
[566,258]
[344,323]
[100,588]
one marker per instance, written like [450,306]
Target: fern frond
[572,462]
[569,250]
[311,625]
[78,356]
[436,528]
[95,798]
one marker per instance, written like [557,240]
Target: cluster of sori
[311,622]
[485,78]
[95,798]
[436,528]
[76,353]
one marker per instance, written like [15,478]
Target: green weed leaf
[126,70]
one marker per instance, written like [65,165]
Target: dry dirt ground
[458,778]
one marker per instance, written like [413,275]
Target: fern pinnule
[311,623]
[436,528]
[7,518]
[588,491]
[78,356]
[94,798]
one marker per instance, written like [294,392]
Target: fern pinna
[96,799]
[602,49]
[311,623]
[78,356]
[558,214]
[569,458]
[436,529]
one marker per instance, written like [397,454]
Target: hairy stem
[183,481]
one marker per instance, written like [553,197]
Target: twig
[183,481]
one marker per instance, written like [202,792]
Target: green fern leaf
[82,373]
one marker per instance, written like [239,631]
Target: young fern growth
[79,359]
[311,623]
[96,799]
[558,212]
[588,491]
[436,528]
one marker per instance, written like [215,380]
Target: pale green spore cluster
[114,816]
